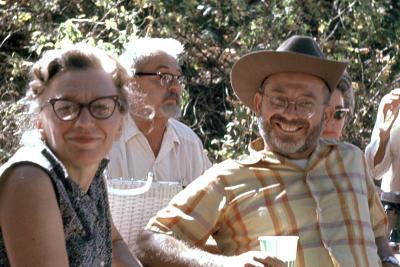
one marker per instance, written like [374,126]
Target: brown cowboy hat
[297,54]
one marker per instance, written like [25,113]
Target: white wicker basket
[134,202]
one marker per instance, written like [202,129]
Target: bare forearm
[162,250]
[380,153]
[384,249]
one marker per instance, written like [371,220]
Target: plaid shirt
[331,205]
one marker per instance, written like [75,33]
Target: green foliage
[215,33]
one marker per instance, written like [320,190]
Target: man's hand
[390,111]
[256,259]
[391,105]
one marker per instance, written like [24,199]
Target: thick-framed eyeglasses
[304,107]
[166,79]
[100,108]
[340,113]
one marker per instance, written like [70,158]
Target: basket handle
[134,191]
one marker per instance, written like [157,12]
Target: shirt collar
[170,132]
[257,153]
[131,130]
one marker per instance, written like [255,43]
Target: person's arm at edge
[384,249]
[378,221]
[121,256]
[380,153]
[30,219]
[387,115]
[376,154]
[161,250]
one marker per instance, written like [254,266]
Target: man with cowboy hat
[292,183]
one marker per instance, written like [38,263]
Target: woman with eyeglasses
[341,106]
[53,200]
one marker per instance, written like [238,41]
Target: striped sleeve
[193,214]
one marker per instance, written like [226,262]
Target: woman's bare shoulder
[24,183]
[30,218]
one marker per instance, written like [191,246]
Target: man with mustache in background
[153,140]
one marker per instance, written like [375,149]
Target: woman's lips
[84,139]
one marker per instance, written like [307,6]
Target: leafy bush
[215,34]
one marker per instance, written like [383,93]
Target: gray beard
[288,147]
[171,111]
[139,108]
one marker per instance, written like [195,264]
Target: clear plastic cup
[281,247]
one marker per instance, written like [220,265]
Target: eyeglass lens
[100,108]
[304,107]
[167,79]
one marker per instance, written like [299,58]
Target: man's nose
[175,86]
[290,110]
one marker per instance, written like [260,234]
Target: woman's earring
[38,125]
[42,134]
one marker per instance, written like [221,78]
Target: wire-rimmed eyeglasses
[304,107]
[100,108]
[166,79]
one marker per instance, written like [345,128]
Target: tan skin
[156,97]
[180,254]
[29,215]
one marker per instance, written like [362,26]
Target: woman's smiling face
[85,140]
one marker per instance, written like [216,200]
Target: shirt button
[102,263]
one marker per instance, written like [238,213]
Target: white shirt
[181,157]
[389,167]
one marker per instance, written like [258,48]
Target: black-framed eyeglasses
[100,108]
[166,79]
[304,107]
[340,113]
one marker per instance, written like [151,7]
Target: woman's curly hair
[75,57]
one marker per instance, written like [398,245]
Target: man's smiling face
[290,112]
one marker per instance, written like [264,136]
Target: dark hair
[346,88]
[76,57]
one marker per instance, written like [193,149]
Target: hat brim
[250,71]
